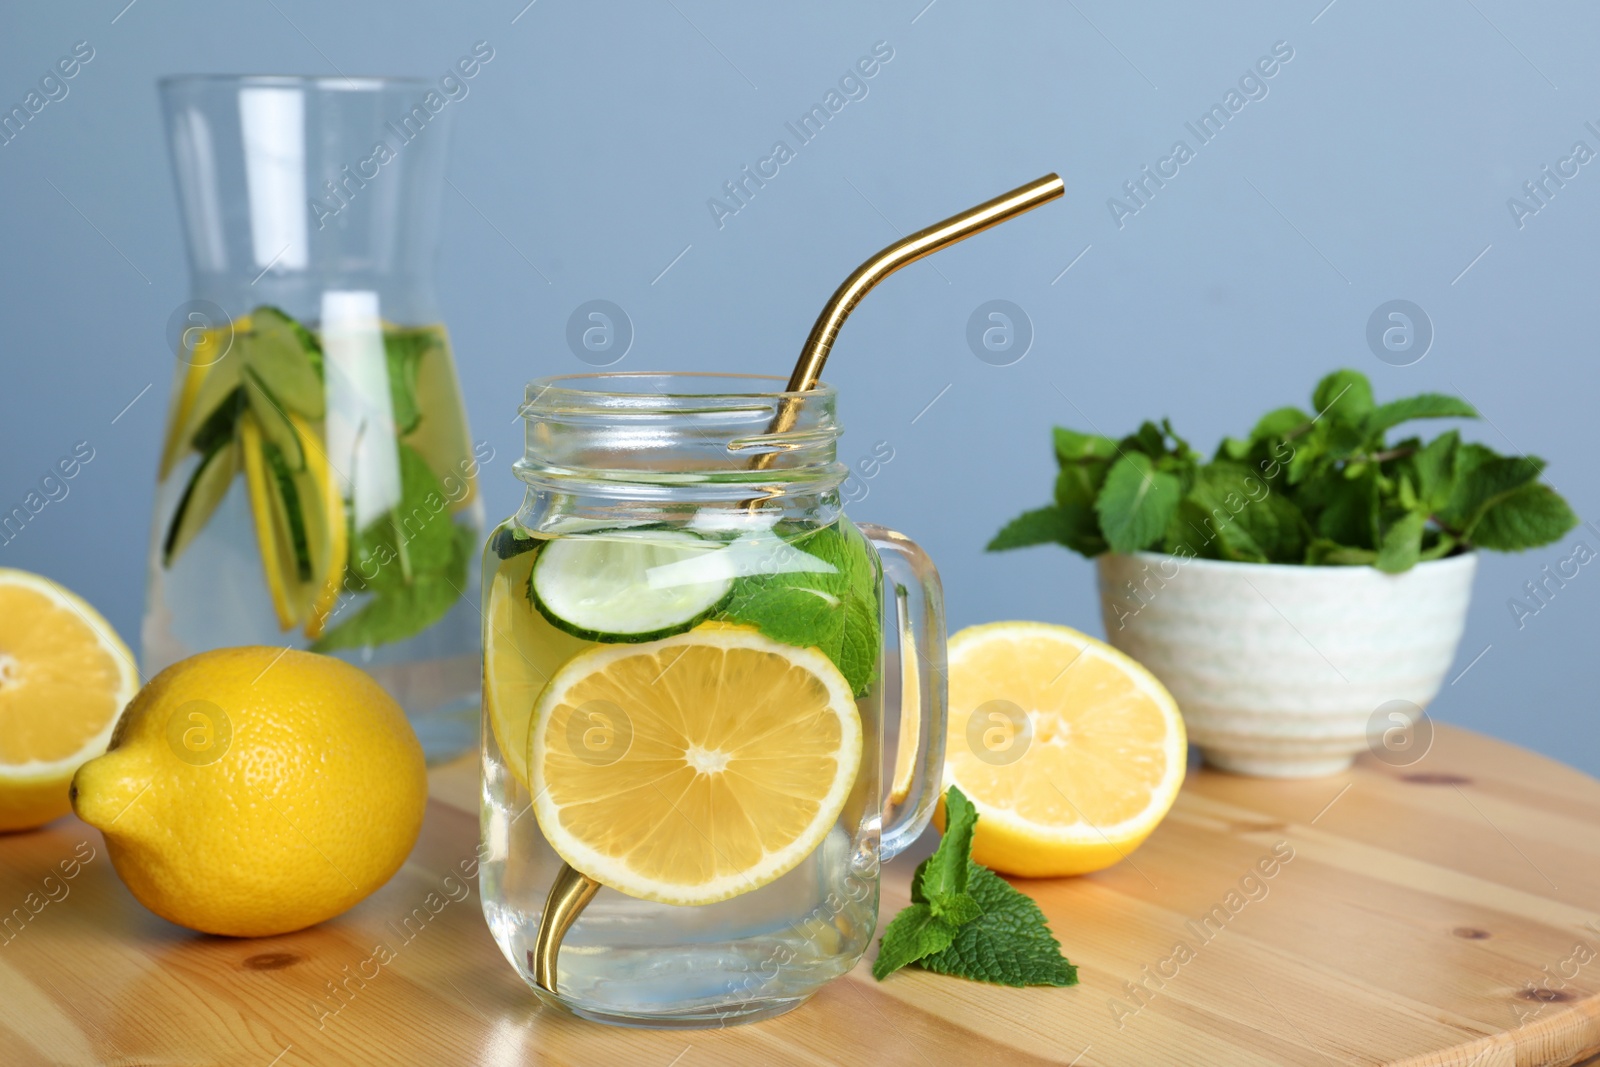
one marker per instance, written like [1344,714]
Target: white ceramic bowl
[1278,669]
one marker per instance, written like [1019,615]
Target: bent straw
[573,890]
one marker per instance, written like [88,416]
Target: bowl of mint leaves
[1303,590]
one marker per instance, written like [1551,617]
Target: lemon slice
[280,530]
[1071,751]
[64,678]
[522,651]
[326,526]
[696,768]
[211,347]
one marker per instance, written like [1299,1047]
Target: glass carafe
[685,695]
[317,482]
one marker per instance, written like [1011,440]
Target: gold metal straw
[573,889]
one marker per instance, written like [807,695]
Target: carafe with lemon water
[685,684]
[317,483]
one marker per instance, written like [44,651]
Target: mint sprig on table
[1313,487]
[966,921]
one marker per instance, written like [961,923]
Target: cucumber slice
[288,516]
[207,486]
[612,585]
[217,428]
[287,359]
[274,420]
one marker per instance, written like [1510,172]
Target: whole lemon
[255,791]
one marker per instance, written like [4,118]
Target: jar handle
[911,585]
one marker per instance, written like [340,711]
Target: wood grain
[1440,914]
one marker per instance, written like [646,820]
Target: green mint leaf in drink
[913,934]
[1008,943]
[423,515]
[1136,502]
[1319,488]
[823,593]
[403,350]
[400,610]
[506,542]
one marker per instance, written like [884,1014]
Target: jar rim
[675,389]
[333,82]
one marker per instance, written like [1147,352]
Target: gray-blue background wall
[1377,166]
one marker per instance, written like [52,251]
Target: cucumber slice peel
[598,586]
[207,486]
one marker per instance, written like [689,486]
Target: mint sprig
[833,607]
[1318,487]
[966,921]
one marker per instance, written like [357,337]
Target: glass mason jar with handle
[685,645]
[317,482]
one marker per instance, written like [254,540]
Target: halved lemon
[1071,751]
[64,678]
[696,768]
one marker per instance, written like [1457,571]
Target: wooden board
[1444,913]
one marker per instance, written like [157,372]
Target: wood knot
[271,961]
[1471,933]
[1435,779]
[1547,996]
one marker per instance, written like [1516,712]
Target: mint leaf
[1248,521]
[403,350]
[1436,544]
[1136,502]
[1280,422]
[1402,544]
[1345,396]
[1076,488]
[1325,553]
[1009,943]
[1481,475]
[1526,517]
[400,611]
[914,933]
[423,515]
[944,874]
[413,560]
[833,608]
[1338,494]
[1148,438]
[1344,509]
[507,543]
[1072,446]
[967,921]
[1425,406]
[1046,525]
[1435,467]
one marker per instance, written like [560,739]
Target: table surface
[1442,913]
